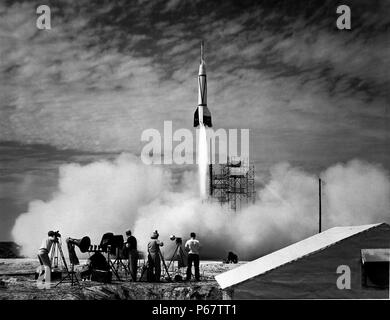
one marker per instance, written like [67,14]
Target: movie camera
[178,255]
[56,235]
[57,253]
[178,240]
[114,245]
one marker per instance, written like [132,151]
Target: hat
[155,235]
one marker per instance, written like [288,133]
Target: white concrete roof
[288,254]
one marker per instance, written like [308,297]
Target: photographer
[132,254]
[43,255]
[154,261]
[192,247]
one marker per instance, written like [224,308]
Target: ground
[17,282]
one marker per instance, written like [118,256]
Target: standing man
[154,261]
[131,246]
[192,247]
[44,259]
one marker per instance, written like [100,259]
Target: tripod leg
[124,267]
[173,256]
[143,271]
[112,266]
[165,266]
[71,275]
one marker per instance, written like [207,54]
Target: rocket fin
[196,118]
[206,117]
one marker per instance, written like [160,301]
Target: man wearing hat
[131,248]
[154,261]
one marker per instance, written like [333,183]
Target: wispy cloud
[105,72]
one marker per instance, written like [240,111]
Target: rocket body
[202,113]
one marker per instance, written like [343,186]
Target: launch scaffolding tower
[232,183]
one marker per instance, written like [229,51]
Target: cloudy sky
[311,94]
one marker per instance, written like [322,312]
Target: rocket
[202,114]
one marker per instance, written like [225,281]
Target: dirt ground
[17,282]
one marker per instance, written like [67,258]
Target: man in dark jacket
[131,248]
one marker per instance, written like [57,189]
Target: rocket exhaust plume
[112,196]
[202,161]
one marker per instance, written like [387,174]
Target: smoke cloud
[113,196]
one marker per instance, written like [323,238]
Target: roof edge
[235,270]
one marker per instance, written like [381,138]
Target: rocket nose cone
[202,68]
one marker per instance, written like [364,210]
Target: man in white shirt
[192,247]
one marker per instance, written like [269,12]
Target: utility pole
[319,198]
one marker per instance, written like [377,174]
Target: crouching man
[44,259]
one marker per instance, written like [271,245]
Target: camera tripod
[179,250]
[70,274]
[117,264]
[164,264]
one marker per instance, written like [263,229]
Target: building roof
[288,254]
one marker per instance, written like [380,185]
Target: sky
[310,94]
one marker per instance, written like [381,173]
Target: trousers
[154,267]
[193,258]
[133,262]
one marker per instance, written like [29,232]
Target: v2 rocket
[202,114]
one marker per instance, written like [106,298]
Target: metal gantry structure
[232,183]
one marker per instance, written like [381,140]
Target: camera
[57,234]
[178,240]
